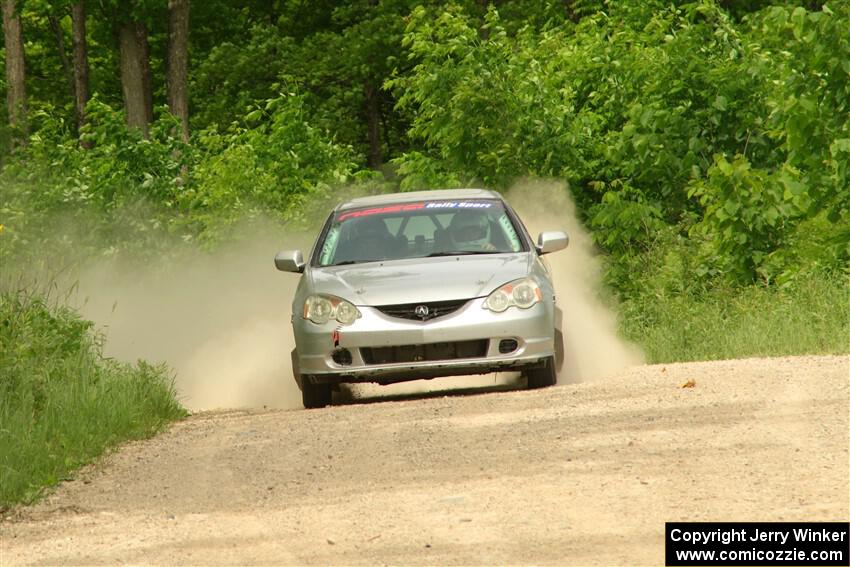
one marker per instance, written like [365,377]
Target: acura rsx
[421,285]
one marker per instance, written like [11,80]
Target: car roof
[434,195]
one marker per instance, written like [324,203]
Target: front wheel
[315,395]
[543,375]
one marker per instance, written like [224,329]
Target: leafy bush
[754,211]
[746,212]
[270,165]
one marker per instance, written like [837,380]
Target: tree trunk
[385,128]
[81,61]
[132,77]
[375,158]
[145,62]
[16,94]
[178,62]
[59,33]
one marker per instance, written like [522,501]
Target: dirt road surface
[579,474]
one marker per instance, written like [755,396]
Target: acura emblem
[421,311]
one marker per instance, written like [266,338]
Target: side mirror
[289,261]
[552,241]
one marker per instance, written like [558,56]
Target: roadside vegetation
[706,145]
[808,317]
[61,402]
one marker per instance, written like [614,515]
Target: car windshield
[419,230]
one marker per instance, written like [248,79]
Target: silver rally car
[421,285]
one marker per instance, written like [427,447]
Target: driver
[470,230]
[371,238]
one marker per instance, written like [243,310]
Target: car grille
[435,309]
[424,353]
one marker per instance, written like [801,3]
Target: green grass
[810,317]
[62,403]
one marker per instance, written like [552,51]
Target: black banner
[757,543]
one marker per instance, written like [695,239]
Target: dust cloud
[592,347]
[220,320]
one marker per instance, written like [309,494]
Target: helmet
[369,227]
[470,228]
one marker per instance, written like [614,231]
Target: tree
[141,31]
[81,61]
[56,26]
[178,62]
[373,116]
[16,94]
[134,86]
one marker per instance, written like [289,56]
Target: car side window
[329,247]
[509,232]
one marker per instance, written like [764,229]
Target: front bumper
[532,329]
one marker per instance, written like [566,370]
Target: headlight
[322,308]
[521,293]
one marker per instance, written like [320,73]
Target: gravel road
[578,474]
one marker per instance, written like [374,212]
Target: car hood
[420,279]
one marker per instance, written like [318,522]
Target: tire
[315,395]
[542,376]
[312,395]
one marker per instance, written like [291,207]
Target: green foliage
[61,402]
[236,75]
[117,191]
[746,213]
[270,166]
[472,110]
[332,58]
[625,217]
[733,133]
[754,213]
[418,170]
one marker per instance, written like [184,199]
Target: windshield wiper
[461,253]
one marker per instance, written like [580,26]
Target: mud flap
[559,351]
[559,339]
[296,371]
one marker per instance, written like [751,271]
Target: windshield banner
[413,207]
